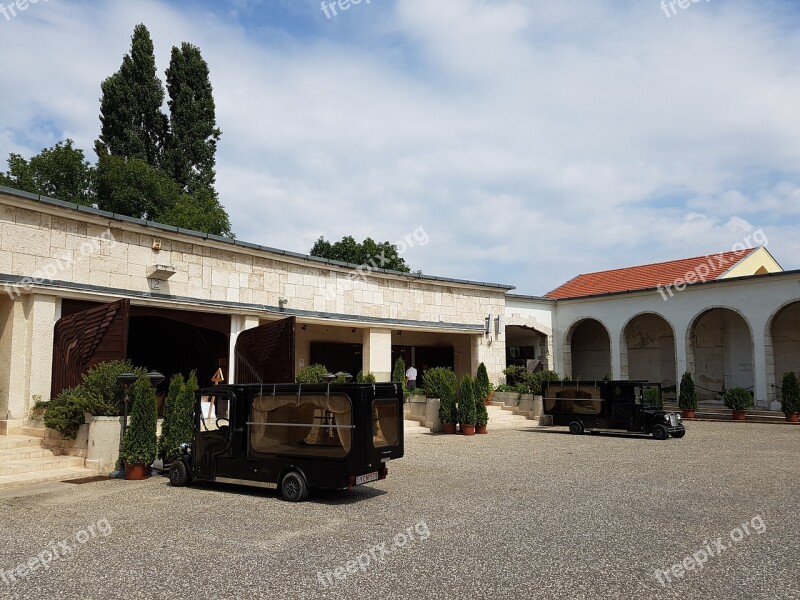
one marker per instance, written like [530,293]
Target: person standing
[411,378]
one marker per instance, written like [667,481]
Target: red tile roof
[705,268]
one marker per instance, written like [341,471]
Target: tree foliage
[140,444]
[382,255]
[59,172]
[132,123]
[440,382]
[467,409]
[790,393]
[178,426]
[130,186]
[687,395]
[200,212]
[193,137]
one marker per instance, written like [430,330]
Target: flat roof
[237,243]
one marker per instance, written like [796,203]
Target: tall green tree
[59,172]
[200,212]
[133,187]
[132,123]
[382,255]
[193,136]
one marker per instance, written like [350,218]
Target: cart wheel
[576,427]
[178,474]
[660,432]
[294,487]
[678,434]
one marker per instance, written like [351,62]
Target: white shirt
[411,373]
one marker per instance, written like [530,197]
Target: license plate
[367,478]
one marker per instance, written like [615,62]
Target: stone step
[37,432]
[34,477]
[7,454]
[18,441]
[45,463]
[723,413]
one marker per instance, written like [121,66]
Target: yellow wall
[761,259]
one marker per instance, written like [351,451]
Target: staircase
[24,461]
[507,417]
[715,412]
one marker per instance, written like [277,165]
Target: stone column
[377,353]
[27,352]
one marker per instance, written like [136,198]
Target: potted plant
[140,445]
[481,413]
[790,397]
[687,398]
[440,382]
[178,426]
[738,399]
[483,385]
[466,405]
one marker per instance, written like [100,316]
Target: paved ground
[532,513]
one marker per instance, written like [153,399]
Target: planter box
[103,443]
[507,398]
[531,404]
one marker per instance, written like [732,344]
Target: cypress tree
[193,137]
[140,445]
[132,124]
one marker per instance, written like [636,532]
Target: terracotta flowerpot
[738,415]
[137,472]
[793,417]
[480,429]
[468,429]
[448,427]
[687,414]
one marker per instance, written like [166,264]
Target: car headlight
[666,417]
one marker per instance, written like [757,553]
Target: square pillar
[377,353]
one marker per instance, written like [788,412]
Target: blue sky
[532,140]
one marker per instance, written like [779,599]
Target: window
[313,425]
[214,412]
[384,423]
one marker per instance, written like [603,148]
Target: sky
[520,142]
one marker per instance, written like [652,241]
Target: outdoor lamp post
[125,379]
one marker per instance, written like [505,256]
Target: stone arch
[648,350]
[528,341]
[782,345]
[587,350]
[720,351]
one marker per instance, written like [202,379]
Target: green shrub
[311,374]
[419,392]
[737,398]
[481,412]
[504,387]
[64,413]
[466,401]
[687,399]
[104,394]
[652,397]
[482,382]
[535,380]
[140,445]
[790,393]
[368,378]
[178,426]
[440,382]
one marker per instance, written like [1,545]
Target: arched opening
[526,347]
[720,353]
[785,333]
[650,344]
[588,351]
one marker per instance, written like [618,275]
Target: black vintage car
[609,406]
[294,437]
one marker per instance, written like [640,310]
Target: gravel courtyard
[527,513]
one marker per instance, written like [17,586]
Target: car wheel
[576,427]
[660,432]
[678,434]
[178,474]
[294,487]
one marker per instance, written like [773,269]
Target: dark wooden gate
[83,339]
[265,354]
